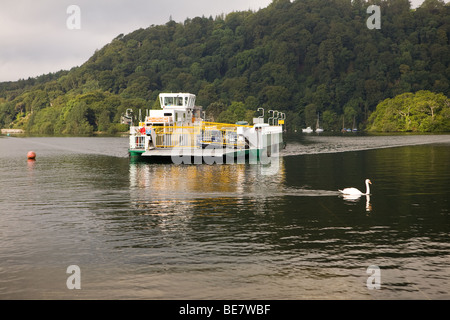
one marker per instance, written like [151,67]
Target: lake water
[138,230]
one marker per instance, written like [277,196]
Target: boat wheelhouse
[180,130]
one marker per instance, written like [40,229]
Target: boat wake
[243,195]
[335,144]
[303,192]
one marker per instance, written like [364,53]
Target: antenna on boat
[262,109]
[283,118]
[268,120]
[275,118]
[128,115]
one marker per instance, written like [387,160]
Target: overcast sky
[35,38]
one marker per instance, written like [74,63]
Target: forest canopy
[423,111]
[303,58]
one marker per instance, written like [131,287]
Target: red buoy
[31,155]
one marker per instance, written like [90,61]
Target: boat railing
[137,140]
[218,135]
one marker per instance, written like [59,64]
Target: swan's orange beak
[370,182]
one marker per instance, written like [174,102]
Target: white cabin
[177,109]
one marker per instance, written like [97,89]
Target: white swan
[354,191]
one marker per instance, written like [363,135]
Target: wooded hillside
[304,58]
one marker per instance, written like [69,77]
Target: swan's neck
[367,187]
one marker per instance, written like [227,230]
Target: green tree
[236,112]
[421,112]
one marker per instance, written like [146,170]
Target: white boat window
[168,101]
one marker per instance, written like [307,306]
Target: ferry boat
[178,131]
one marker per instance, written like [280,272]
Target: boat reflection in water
[167,189]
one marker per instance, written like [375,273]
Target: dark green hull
[247,154]
[134,153]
